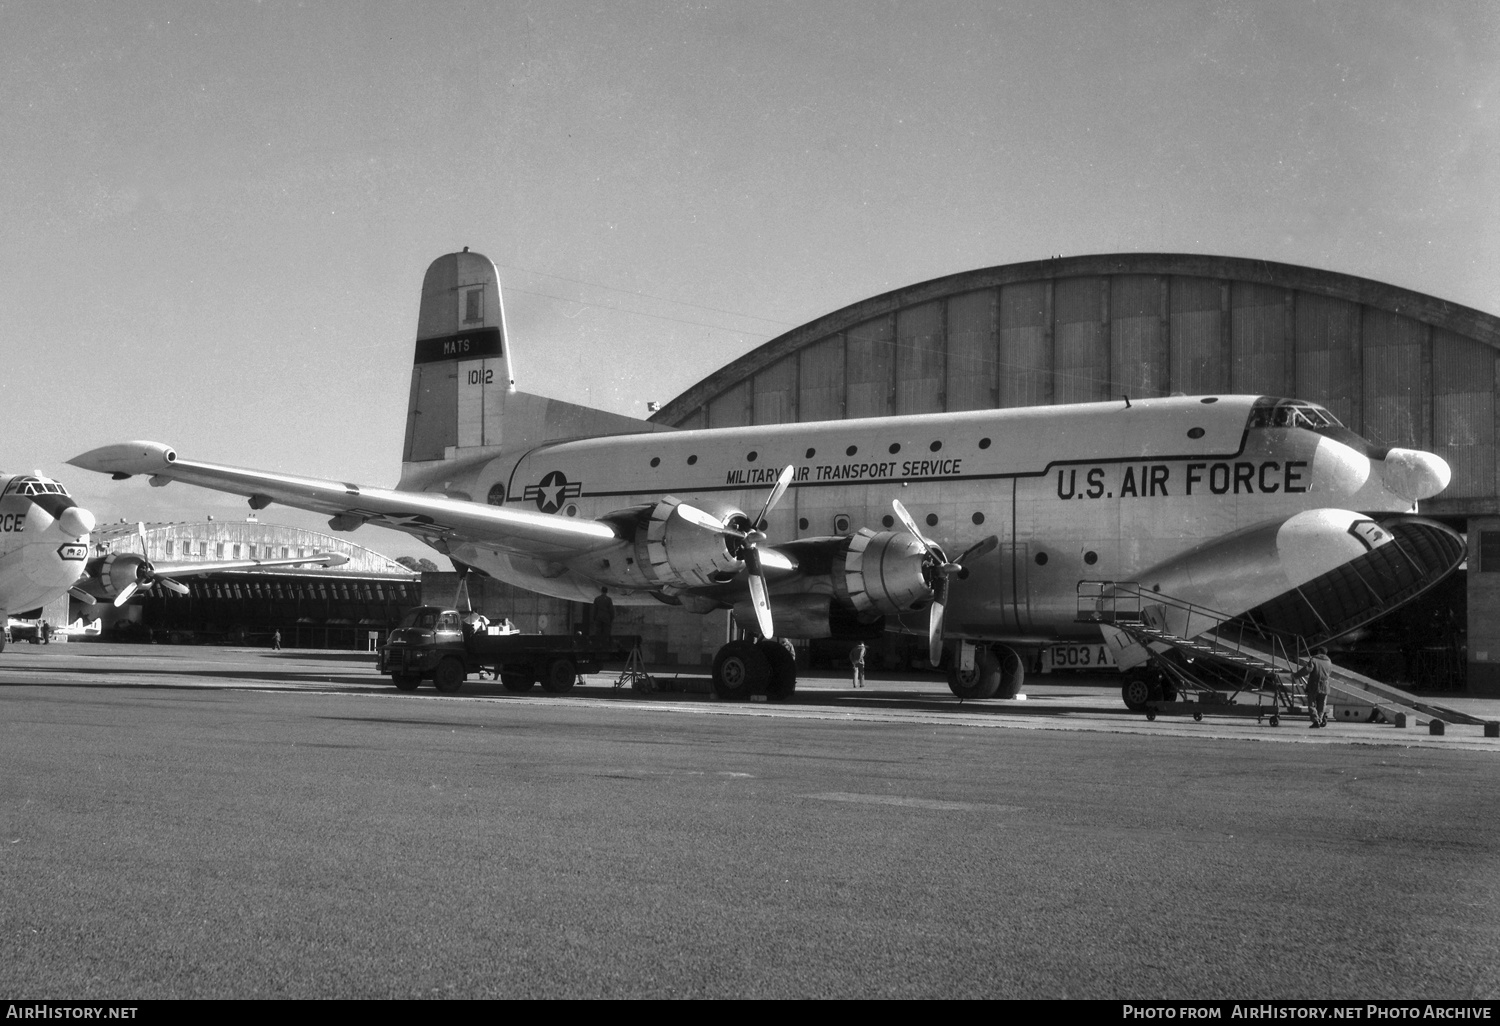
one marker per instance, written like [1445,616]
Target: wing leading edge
[517,532]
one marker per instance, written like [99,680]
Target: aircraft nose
[76,521]
[1413,474]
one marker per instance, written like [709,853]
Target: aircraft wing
[518,532]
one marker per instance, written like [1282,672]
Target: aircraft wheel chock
[740,670]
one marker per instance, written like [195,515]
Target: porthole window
[935,446]
[1091,558]
[801,523]
[888,521]
[895,448]
[851,450]
[656,461]
[1195,432]
[1041,559]
[572,510]
[751,456]
[811,453]
[984,443]
[932,519]
[841,523]
[978,518]
[692,460]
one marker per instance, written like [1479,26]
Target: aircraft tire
[1136,691]
[404,682]
[740,670]
[449,675]
[561,676]
[982,681]
[1012,672]
[520,683]
[782,659]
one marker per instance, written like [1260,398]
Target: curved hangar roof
[197,541]
[1399,367]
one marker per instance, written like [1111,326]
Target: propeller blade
[911,526]
[761,602]
[82,596]
[125,593]
[171,585]
[935,622]
[983,547]
[705,520]
[782,483]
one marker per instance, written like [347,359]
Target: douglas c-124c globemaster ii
[1218,505]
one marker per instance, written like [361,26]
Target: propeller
[939,570]
[753,538]
[146,575]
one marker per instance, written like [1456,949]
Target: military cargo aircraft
[1219,505]
[44,542]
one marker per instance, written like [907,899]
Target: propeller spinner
[753,538]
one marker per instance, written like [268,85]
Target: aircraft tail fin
[463,392]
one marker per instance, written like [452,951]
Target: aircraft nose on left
[1413,474]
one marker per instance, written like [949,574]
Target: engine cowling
[885,572]
[675,552]
[114,573]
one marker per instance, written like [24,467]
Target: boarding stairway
[1241,657]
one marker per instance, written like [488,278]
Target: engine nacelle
[111,575]
[674,552]
[884,573]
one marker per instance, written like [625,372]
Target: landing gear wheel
[1012,672]
[517,682]
[782,662]
[404,682]
[561,676]
[740,669]
[980,682]
[449,675]
[1137,692]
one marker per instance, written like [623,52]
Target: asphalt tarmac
[192,822]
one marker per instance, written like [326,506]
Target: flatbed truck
[433,643]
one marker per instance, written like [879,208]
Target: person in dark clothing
[1316,672]
[603,618]
[857,663]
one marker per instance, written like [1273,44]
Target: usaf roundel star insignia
[553,491]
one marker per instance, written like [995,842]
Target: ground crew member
[275,641]
[1316,671]
[604,617]
[857,663]
[46,633]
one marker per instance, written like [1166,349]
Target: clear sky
[215,217]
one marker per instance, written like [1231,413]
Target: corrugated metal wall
[1392,378]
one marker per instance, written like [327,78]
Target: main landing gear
[998,672]
[754,667]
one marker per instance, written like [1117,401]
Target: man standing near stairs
[1316,671]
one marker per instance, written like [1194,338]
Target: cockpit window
[33,486]
[1290,413]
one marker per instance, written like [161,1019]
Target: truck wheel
[449,675]
[740,669]
[405,683]
[1136,691]
[517,682]
[782,659]
[561,676]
